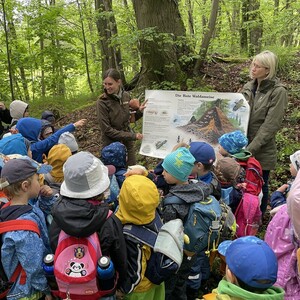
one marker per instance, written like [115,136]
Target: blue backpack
[202,224]
[166,242]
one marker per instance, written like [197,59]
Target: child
[278,198]
[231,176]
[48,116]
[31,128]
[57,156]
[283,236]
[80,211]
[19,180]
[116,154]
[251,271]
[69,140]
[202,171]
[232,143]
[178,165]
[138,201]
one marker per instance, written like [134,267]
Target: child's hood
[17,109]
[30,128]
[192,192]
[78,217]
[138,200]
[114,154]
[13,144]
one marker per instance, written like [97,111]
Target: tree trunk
[85,48]
[162,26]
[9,68]
[244,31]
[17,58]
[207,35]
[107,28]
[256,30]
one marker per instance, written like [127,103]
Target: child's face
[169,178]
[198,169]
[293,171]
[34,187]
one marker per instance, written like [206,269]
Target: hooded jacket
[267,109]
[80,218]
[189,193]
[21,246]
[31,128]
[138,201]
[230,291]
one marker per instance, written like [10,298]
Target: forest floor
[222,77]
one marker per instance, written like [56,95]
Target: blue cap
[251,260]
[179,163]
[233,142]
[203,152]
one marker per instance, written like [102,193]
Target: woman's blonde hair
[268,60]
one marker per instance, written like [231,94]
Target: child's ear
[230,276]
[25,185]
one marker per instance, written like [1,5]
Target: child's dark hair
[112,73]
[208,167]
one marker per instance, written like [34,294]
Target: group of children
[75,192]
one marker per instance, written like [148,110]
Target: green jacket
[230,291]
[267,109]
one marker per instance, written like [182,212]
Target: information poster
[171,117]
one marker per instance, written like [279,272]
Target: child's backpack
[253,176]
[202,224]
[248,215]
[6,226]
[75,267]
[166,243]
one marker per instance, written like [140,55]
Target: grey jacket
[267,109]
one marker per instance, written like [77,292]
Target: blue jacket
[30,128]
[27,248]
[13,144]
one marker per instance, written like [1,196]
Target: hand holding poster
[172,117]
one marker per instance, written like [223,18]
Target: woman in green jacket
[267,98]
[114,110]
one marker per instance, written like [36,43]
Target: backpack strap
[143,233]
[173,200]
[13,225]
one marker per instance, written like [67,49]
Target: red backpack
[253,176]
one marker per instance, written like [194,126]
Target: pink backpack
[248,215]
[75,267]
[279,236]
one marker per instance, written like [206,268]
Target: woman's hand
[143,106]
[138,136]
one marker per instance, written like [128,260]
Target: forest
[58,49]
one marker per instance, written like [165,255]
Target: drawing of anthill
[210,124]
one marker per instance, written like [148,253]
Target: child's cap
[228,170]
[233,142]
[85,176]
[295,160]
[21,168]
[114,154]
[69,140]
[203,152]
[251,260]
[179,163]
